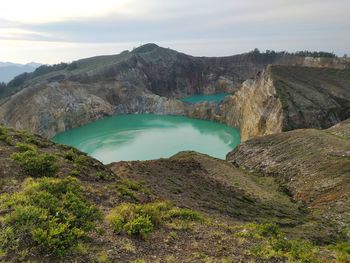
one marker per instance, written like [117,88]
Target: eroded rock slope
[285,98]
[313,165]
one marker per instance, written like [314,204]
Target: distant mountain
[9,70]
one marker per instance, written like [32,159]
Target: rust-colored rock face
[285,98]
[255,108]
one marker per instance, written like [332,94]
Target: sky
[65,30]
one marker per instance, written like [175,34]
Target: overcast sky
[64,30]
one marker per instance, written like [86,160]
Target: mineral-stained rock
[284,98]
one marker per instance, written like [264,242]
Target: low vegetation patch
[141,219]
[32,139]
[132,189]
[36,163]
[273,244]
[5,137]
[342,251]
[76,157]
[48,216]
[103,176]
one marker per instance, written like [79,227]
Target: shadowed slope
[313,164]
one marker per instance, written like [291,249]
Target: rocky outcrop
[312,165]
[255,109]
[285,98]
[50,109]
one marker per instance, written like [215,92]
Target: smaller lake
[217,98]
[149,136]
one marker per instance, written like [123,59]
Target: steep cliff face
[313,165]
[255,108]
[149,78]
[312,97]
[284,98]
[52,108]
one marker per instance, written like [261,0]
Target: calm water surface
[201,98]
[148,136]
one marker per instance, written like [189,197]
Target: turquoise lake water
[201,98]
[149,136]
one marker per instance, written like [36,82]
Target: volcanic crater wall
[150,78]
[284,98]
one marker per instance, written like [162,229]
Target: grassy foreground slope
[59,205]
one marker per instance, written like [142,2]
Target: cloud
[312,24]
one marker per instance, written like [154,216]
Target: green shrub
[23,147]
[123,190]
[32,139]
[132,189]
[75,173]
[3,130]
[36,163]
[76,157]
[131,184]
[272,243]
[117,222]
[49,215]
[102,175]
[155,211]
[102,257]
[5,137]
[342,251]
[301,251]
[40,143]
[141,225]
[268,230]
[140,219]
[185,214]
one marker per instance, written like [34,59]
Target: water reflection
[148,136]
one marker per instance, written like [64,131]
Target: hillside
[285,98]
[313,165]
[58,205]
[56,98]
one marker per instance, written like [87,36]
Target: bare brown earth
[314,165]
[214,186]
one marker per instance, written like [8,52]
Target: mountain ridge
[9,70]
[146,80]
